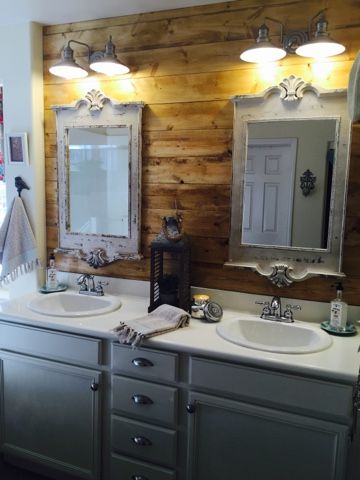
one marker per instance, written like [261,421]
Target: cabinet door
[230,439]
[50,414]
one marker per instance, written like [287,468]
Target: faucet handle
[266,309]
[288,313]
[99,287]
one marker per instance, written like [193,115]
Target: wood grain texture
[185,65]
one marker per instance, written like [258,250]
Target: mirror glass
[282,205]
[98,169]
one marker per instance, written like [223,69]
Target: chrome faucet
[272,310]
[275,307]
[87,285]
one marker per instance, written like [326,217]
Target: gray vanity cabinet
[250,424]
[50,409]
[231,439]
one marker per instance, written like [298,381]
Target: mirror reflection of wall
[98,173]
[276,212]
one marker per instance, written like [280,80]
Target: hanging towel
[162,320]
[18,252]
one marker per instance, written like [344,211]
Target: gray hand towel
[18,252]
[162,320]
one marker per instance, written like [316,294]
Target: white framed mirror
[99,178]
[290,167]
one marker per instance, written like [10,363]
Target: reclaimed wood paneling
[185,65]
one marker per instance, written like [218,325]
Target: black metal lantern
[171,287]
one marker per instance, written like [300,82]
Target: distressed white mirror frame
[292,99]
[97,110]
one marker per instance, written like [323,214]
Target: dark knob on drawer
[142,441]
[94,386]
[141,399]
[190,407]
[142,362]
[138,477]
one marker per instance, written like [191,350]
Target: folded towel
[18,253]
[162,320]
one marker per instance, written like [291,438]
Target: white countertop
[340,361]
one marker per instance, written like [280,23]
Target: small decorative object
[17,148]
[307,182]
[20,185]
[204,309]
[170,287]
[61,287]
[354,91]
[346,331]
[172,228]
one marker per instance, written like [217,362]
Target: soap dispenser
[338,310]
[51,274]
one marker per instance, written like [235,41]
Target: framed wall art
[17,148]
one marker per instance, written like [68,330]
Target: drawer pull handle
[138,477]
[141,399]
[190,408]
[142,362]
[142,441]
[94,386]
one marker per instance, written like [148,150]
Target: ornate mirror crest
[99,178]
[261,121]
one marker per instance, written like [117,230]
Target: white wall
[22,79]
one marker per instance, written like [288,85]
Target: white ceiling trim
[52,12]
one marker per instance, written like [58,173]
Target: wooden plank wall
[185,65]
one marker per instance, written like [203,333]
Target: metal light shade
[263,51]
[322,45]
[107,63]
[68,68]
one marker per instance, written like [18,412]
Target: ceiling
[52,12]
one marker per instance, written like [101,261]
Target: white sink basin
[274,336]
[72,304]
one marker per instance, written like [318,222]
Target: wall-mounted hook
[20,185]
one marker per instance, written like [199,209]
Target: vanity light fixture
[105,62]
[67,67]
[263,51]
[320,46]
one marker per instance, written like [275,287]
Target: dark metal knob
[141,399]
[142,362]
[190,407]
[94,386]
[141,441]
[139,477]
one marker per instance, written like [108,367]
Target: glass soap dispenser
[338,310]
[51,274]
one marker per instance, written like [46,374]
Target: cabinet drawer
[144,363]
[50,344]
[143,399]
[299,394]
[123,468]
[136,439]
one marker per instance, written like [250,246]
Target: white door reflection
[268,191]
[275,210]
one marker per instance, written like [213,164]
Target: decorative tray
[60,288]
[347,331]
